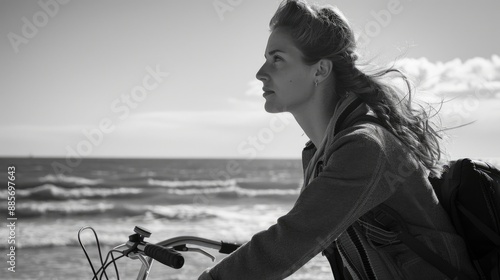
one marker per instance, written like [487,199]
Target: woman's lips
[266,93]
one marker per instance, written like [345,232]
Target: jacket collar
[346,112]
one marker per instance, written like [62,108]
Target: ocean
[221,199]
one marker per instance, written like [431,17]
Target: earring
[316,83]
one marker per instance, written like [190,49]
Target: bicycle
[167,252]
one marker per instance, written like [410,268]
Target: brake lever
[144,262]
[137,256]
[184,248]
[203,252]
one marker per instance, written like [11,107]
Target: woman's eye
[277,58]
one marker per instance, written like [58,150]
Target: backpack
[469,191]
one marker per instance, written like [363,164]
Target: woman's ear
[323,69]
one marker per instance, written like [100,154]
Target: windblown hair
[324,33]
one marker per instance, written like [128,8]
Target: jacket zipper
[361,252]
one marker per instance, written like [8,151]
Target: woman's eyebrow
[273,52]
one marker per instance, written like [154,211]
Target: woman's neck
[315,116]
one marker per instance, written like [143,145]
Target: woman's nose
[261,74]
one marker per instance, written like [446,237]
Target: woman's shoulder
[363,139]
[366,132]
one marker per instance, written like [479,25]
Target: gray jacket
[353,171]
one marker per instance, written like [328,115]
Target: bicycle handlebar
[166,252]
[182,241]
[164,255]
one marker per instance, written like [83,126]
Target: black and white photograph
[238,139]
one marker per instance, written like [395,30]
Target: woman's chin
[272,108]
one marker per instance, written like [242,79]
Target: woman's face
[288,81]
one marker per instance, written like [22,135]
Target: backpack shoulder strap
[332,254]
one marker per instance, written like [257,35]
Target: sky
[176,79]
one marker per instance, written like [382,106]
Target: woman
[350,165]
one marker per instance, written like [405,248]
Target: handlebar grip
[164,255]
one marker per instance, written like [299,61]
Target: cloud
[198,118]
[254,88]
[247,104]
[479,77]
[166,134]
[251,100]
[206,134]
